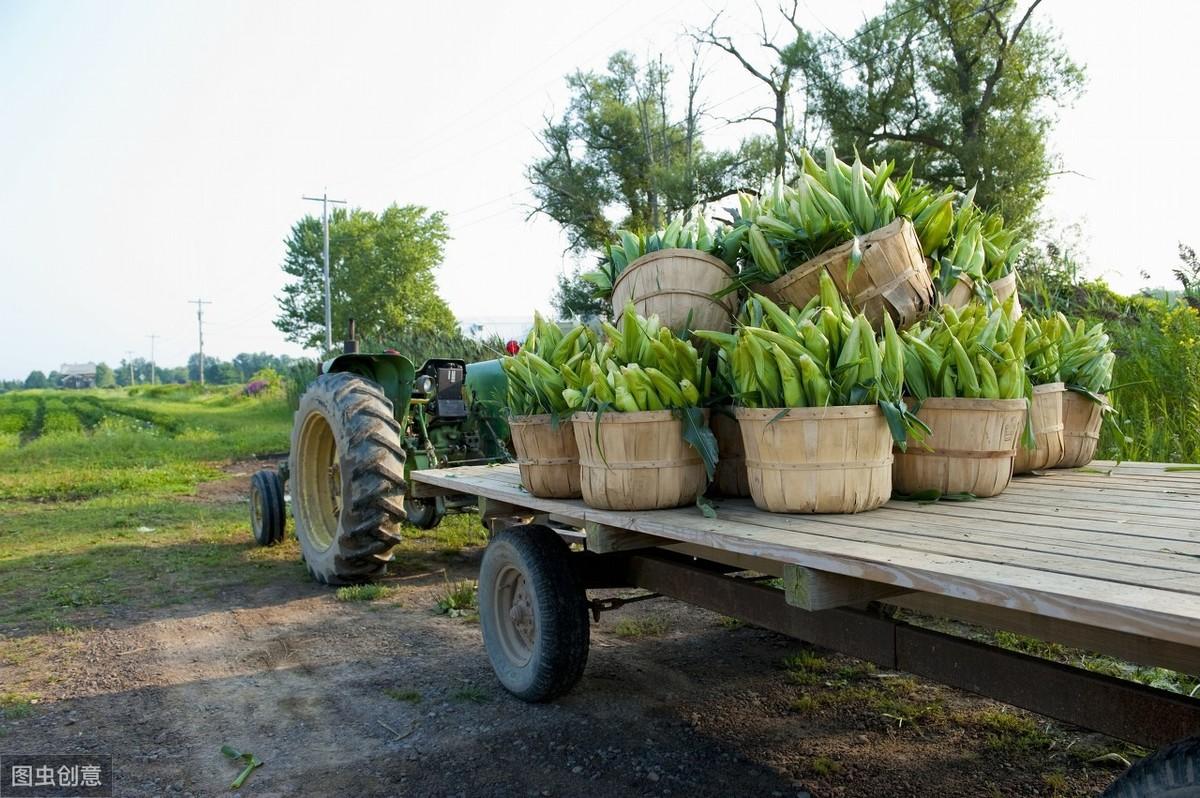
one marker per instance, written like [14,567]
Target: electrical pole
[325,201]
[200,303]
[129,362]
[153,377]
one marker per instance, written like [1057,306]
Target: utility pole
[129,362]
[153,377]
[200,303]
[325,202]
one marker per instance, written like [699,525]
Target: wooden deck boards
[1116,547]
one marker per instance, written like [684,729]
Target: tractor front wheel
[347,479]
[267,514]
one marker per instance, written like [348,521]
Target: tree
[575,298]
[36,379]
[963,90]
[619,145]
[381,274]
[1189,275]
[104,376]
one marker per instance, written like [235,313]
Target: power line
[325,202]
[200,303]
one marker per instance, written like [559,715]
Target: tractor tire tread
[1172,771]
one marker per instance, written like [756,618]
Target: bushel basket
[963,291]
[1082,419]
[892,278]
[817,459]
[546,456]
[970,448]
[636,461]
[1047,419]
[678,285]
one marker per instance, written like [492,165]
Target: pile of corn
[972,354]
[1086,356]
[1042,357]
[536,373]
[680,233]
[816,357]
[641,366]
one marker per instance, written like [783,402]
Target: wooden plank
[603,539]
[1129,647]
[1136,609]
[731,558]
[813,590]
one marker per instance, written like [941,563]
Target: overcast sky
[155,152]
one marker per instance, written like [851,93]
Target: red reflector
[512,347]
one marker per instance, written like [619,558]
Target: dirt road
[391,698]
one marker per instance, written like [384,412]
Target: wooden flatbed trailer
[1105,558]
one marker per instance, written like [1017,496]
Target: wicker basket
[730,479]
[819,459]
[963,291]
[893,277]
[678,285]
[1082,419]
[636,461]
[547,456]
[1047,417]
[970,450]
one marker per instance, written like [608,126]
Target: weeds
[367,592]
[396,694]
[646,626]
[14,706]
[459,599]
[470,694]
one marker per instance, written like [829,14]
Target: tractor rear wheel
[347,479]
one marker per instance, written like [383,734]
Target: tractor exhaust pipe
[350,345]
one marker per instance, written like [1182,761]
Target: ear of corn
[1086,357]
[681,232]
[547,375]
[973,353]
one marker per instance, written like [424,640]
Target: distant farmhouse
[77,375]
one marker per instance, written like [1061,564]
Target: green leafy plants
[680,233]
[536,373]
[975,354]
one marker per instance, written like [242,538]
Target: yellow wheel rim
[320,481]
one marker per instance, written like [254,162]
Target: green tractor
[363,424]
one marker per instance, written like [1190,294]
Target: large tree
[381,274]
[36,379]
[965,90]
[622,156]
[104,376]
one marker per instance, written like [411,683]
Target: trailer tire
[1170,772]
[268,516]
[533,612]
[347,477]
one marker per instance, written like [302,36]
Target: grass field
[100,506]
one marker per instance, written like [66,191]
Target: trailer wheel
[533,611]
[347,476]
[1170,772]
[422,513]
[267,514]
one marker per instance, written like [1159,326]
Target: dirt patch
[235,487]
[389,697]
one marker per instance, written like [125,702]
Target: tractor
[363,424]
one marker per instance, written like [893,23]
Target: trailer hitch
[609,604]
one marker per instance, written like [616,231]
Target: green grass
[14,706]
[824,766]
[470,694]
[368,592]
[396,694]
[645,626]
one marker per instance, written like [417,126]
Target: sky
[152,153]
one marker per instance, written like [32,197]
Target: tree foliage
[104,376]
[966,91]
[381,274]
[620,148]
[36,379]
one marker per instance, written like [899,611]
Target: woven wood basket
[547,456]
[636,461]
[678,285]
[971,447]
[730,479]
[1082,419]
[963,291]
[817,460]
[893,277]
[1047,417]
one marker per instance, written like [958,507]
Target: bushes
[1157,376]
